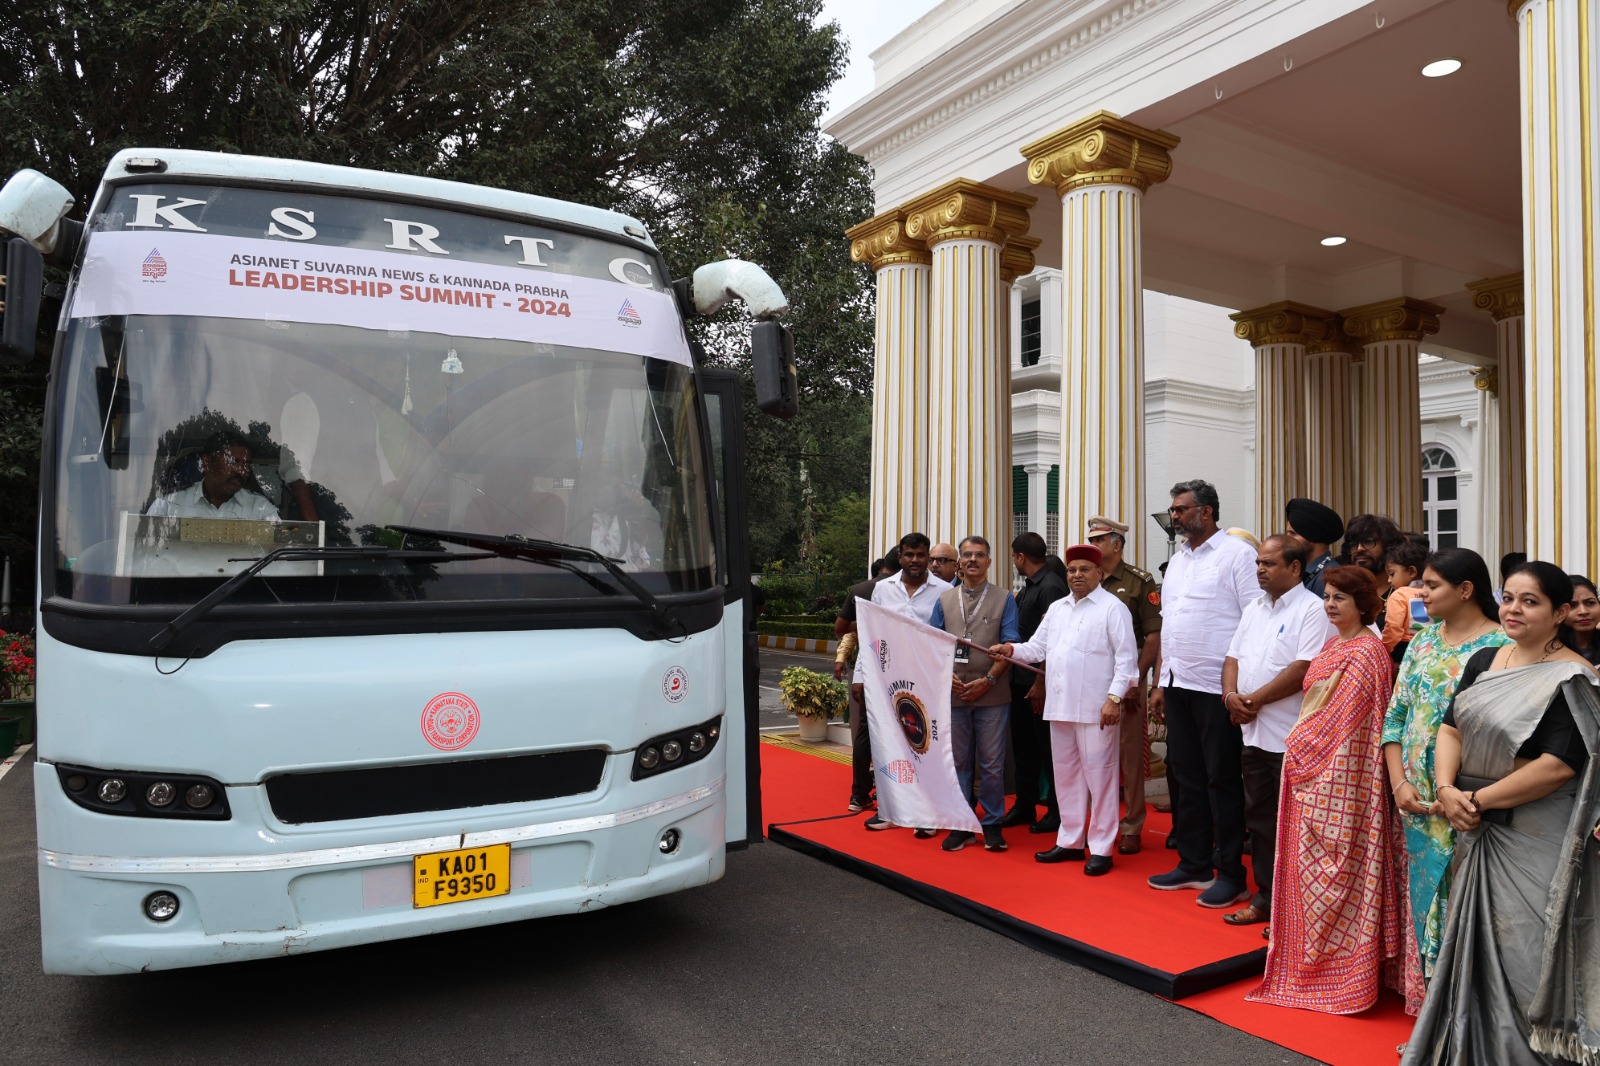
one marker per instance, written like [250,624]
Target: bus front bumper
[92,907]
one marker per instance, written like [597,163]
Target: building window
[1440,493]
[1030,333]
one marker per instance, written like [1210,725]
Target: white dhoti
[1085,761]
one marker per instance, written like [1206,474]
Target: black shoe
[1019,816]
[1097,865]
[1050,823]
[992,840]
[878,822]
[958,839]
[924,834]
[1172,842]
[1059,854]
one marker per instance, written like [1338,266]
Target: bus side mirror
[20,289]
[772,358]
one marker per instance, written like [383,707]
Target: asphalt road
[786,960]
[772,665]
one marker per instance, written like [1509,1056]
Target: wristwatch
[991,679]
[1115,699]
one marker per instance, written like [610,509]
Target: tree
[700,117]
[842,540]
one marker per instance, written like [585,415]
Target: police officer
[1138,592]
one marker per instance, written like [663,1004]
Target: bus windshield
[200,426]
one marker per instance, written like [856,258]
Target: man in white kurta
[1092,665]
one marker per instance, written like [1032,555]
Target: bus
[392,570]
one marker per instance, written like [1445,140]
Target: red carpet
[1116,925]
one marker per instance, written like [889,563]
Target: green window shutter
[1019,490]
[1054,490]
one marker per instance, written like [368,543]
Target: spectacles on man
[1177,512]
[974,555]
[940,559]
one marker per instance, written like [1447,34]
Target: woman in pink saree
[1338,898]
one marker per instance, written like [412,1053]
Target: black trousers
[1262,774]
[1030,751]
[861,780]
[1203,749]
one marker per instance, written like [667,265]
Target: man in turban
[1316,526]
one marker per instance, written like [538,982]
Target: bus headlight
[140,794]
[672,750]
[160,906]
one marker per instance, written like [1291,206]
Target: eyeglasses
[1176,511]
[1366,542]
[940,559]
[974,555]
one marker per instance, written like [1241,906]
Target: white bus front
[379,592]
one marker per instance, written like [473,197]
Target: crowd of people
[1407,749]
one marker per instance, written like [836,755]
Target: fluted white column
[1331,468]
[1501,420]
[976,237]
[1101,168]
[1390,404]
[1559,45]
[1279,333]
[1039,498]
[900,378]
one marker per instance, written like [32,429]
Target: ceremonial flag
[906,674]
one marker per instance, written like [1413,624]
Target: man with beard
[912,593]
[220,492]
[1212,577]
[1367,540]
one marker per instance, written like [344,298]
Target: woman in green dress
[1459,597]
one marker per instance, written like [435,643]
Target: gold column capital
[882,241]
[1100,150]
[1401,318]
[967,208]
[1016,258]
[1501,297]
[1514,7]
[1285,322]
[1486,379]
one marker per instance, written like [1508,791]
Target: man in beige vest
[980,702]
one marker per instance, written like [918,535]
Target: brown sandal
[1246,915]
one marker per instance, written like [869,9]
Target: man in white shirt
[1278,636]
[1209,581]
[912,593]
[220,492]
[1092,669]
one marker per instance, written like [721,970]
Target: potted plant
[16,683]
[813,698]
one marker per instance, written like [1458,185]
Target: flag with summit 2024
[906,678]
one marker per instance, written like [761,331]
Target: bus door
[724,398]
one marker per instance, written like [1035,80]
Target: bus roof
[227,167]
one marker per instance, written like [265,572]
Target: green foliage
[842,540]
[700,117]
[808,694]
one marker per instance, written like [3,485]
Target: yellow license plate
[456,876]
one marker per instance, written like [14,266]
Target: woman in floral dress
[1459,597]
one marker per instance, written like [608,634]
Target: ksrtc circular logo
[675,685]
[913,719]
[450,721]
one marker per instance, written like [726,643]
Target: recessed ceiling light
[1441,67]
[1332,242]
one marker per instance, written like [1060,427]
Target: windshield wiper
[551,553]
[203,606]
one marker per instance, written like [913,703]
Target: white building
[1162,159]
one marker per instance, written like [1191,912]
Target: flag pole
[1002,658]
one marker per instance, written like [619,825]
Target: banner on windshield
[167,273]
[906,678]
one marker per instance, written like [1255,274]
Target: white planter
[813,730]
[839,733]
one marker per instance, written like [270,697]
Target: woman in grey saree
[1518,769]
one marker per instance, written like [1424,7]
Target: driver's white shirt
[192,503]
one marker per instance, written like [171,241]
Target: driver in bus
[220,492]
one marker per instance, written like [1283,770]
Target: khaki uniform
[1138,592]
